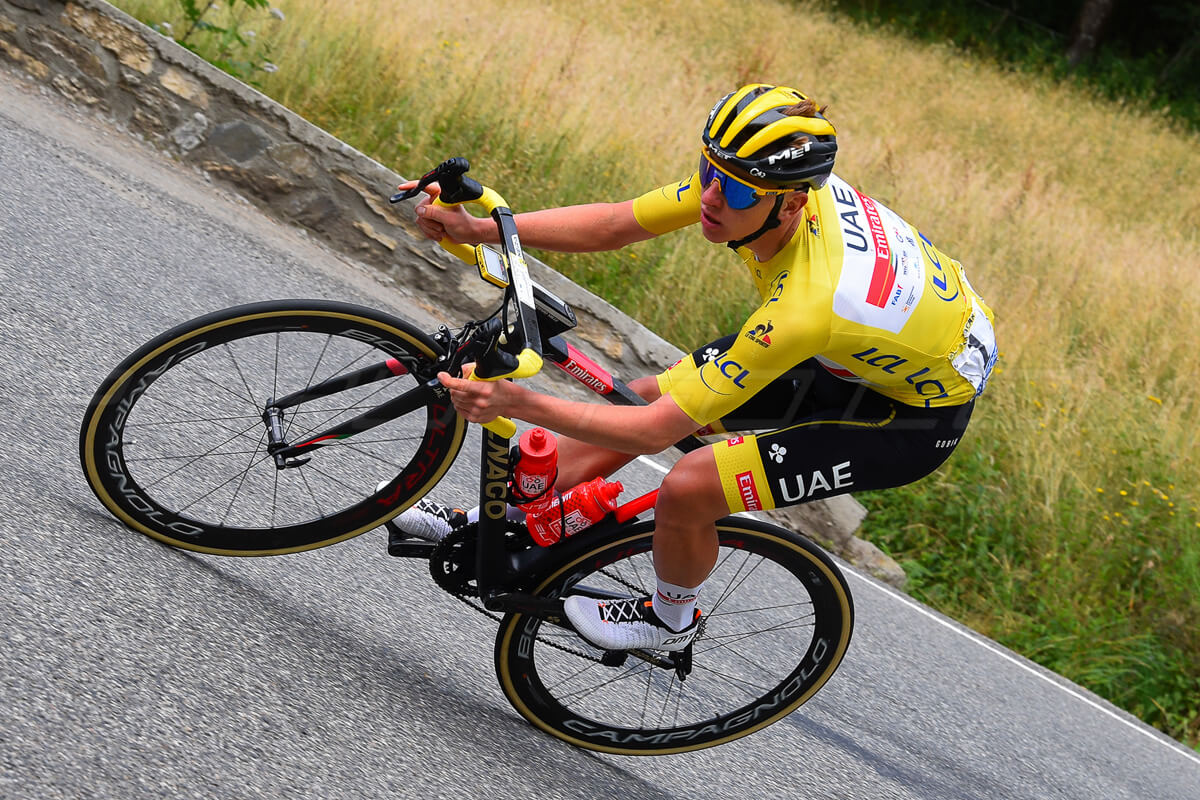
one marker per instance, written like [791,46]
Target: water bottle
[535,471]
[576,510]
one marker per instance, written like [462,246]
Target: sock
[514,514]
[675,605]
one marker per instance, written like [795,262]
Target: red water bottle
[535,471]
[576,510]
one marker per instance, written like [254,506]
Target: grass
[1066,525]
[1123,68]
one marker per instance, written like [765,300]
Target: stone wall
[100,58]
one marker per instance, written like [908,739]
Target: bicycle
[283,426]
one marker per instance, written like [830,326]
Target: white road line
[653,465]
[982,642]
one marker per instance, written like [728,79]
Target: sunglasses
[738,195]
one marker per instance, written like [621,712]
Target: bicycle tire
[780,658]
[173,443]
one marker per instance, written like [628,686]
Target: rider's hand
[481,401]
[439,222]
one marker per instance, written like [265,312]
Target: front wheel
[175,443]
[777,621]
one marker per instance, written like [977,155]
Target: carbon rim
[778,621]
[174,443]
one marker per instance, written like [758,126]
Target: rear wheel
[174,442]
[777,621]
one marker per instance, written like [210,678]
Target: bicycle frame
[500,351]
[495,569]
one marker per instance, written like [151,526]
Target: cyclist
[862,362]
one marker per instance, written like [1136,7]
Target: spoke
[223,484]
[733,583]
[275,369]
[636,671]
[250,462]
[637,583]
[317,365]
[197,371]
[729,678]
[727,643]
[795,624]
[238,369]
[672,683]
[211,453]
[766,609]
[311,493]
[256,419]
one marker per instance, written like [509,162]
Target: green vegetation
[227,43]
[1066,525]
[1148,53]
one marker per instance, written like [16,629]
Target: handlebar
[520,355]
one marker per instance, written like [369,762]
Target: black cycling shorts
[819,436]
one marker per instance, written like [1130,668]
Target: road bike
[283,426]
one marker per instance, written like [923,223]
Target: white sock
[675,605]
[514,514]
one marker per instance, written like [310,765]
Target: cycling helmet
[748,133]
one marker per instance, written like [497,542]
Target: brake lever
[450,173]
[402,196]
[426,179]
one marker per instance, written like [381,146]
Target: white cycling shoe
[428,520]
[628,624]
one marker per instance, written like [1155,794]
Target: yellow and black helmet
[750,131]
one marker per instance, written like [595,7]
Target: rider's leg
[685,550]
[690,501]
[579,462]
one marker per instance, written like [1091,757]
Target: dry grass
[1077,220]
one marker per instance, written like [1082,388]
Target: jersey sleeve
[790,326]
[669,207]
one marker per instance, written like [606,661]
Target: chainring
[452,563]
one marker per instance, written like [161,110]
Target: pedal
[683,662]
[614,658]
[401,545]
[415,548]
[396,538]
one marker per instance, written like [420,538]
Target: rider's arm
[629,429]
[608,226]
[571,229]
[638,430]
[581,229]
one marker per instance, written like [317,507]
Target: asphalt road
[131,670]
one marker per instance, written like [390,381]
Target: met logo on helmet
[721,153]
[793,152]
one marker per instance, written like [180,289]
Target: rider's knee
[693,487]
[646,387]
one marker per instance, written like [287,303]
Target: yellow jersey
[857,288]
